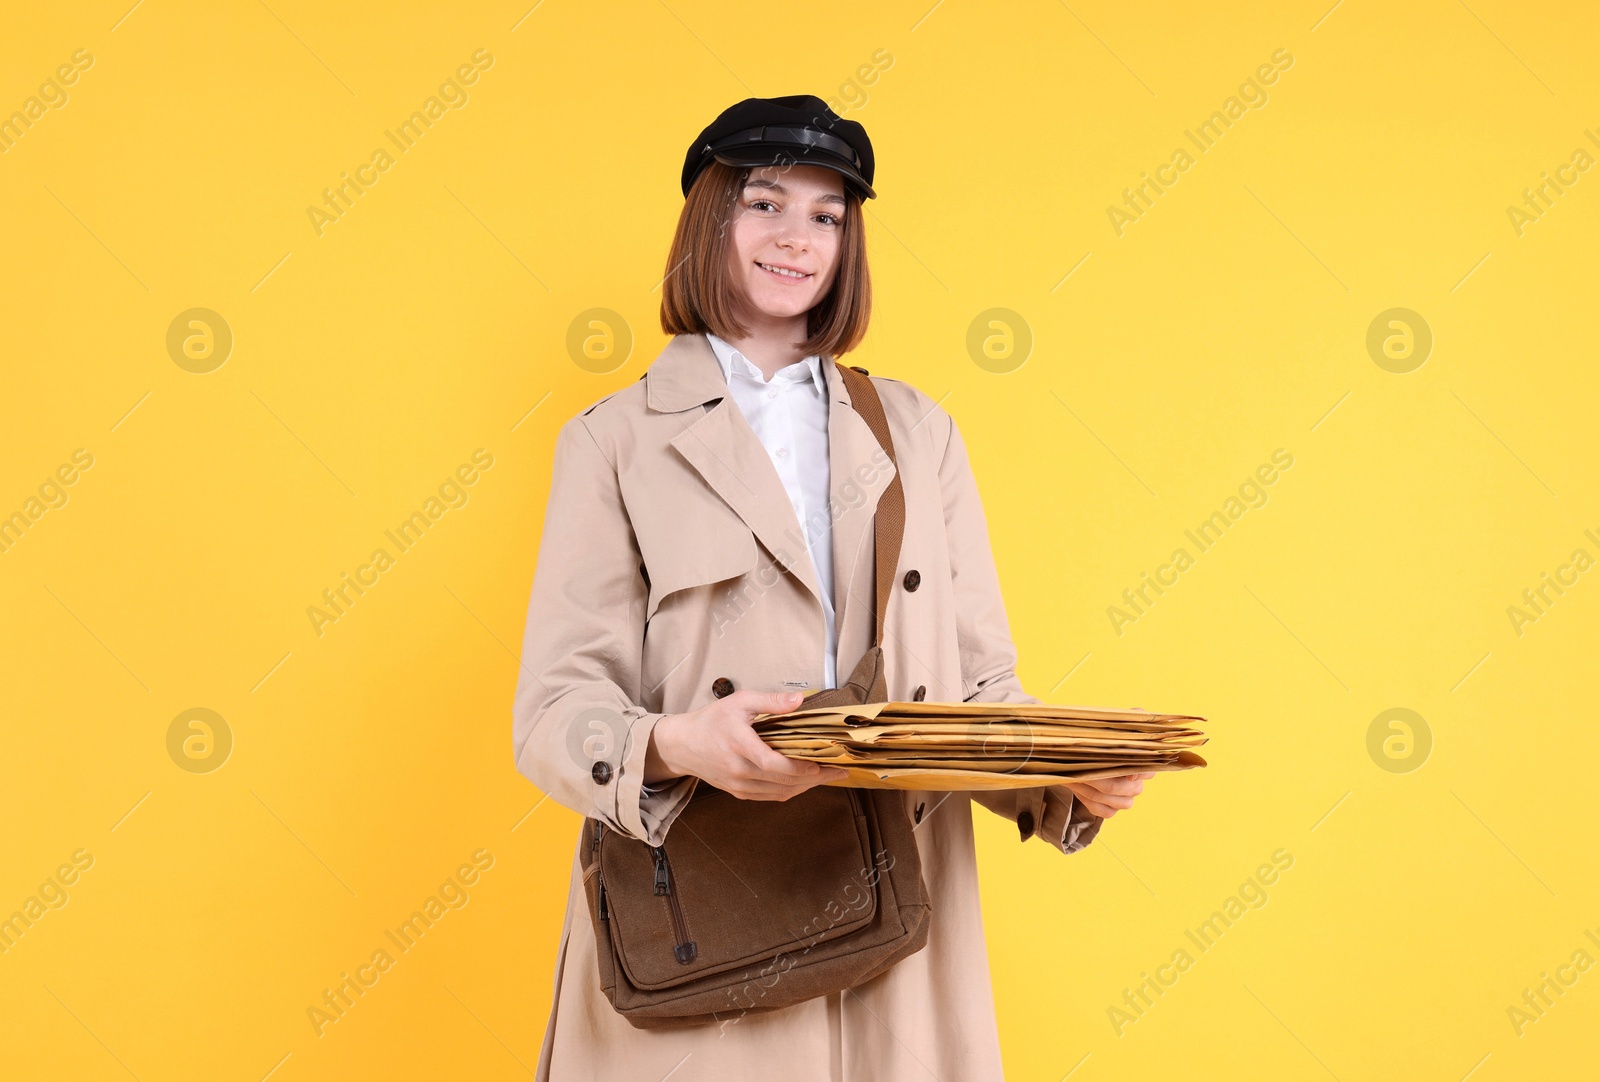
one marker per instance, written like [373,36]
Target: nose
[793,231]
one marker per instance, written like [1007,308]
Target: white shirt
[789,415]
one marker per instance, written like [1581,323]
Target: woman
[707,556]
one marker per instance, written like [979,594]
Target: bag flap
[750,879]
[866,684]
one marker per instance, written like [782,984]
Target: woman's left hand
[1104,797]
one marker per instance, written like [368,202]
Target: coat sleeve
[988,656]
[576,733]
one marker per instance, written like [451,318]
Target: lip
[763,265]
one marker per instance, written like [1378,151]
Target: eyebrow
[772,185]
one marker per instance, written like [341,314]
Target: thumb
[771,702]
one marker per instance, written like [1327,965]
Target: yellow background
[369,762]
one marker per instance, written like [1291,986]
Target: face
[783,249]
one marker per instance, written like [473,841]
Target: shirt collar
[731,359]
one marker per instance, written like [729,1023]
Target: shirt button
[1025,824]
[783,452]
[772,394]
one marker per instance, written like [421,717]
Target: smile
[783,272]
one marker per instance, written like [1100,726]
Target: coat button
[722,687]
[920,694]
[913,579]
[601,772]
[917,818]
[1025,824]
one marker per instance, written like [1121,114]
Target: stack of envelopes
[923,745]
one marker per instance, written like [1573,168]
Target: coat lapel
[725,451]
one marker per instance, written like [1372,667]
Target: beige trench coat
[671,557]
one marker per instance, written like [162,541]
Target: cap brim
[784,155]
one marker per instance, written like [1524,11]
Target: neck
[772,342]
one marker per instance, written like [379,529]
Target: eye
[827,218]
[758,204]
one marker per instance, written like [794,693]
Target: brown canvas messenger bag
[755,905]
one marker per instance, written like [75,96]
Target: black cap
[797,130]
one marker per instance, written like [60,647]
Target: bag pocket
[738,883]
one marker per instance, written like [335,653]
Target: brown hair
[697,297]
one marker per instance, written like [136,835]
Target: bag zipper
[684,949]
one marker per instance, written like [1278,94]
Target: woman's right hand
[717,745]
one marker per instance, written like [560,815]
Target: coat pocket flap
[702,556]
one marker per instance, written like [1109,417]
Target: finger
[756,789]
[1097,802]
[784,786]
[754,703]
[1097,809]
[823,777]
[821,774]
[768,761]
[1116,794]
[1121,786]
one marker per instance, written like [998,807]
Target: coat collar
[687,373]
[728,356]
[684,374]
[722,447]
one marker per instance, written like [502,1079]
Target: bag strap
[889,521]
